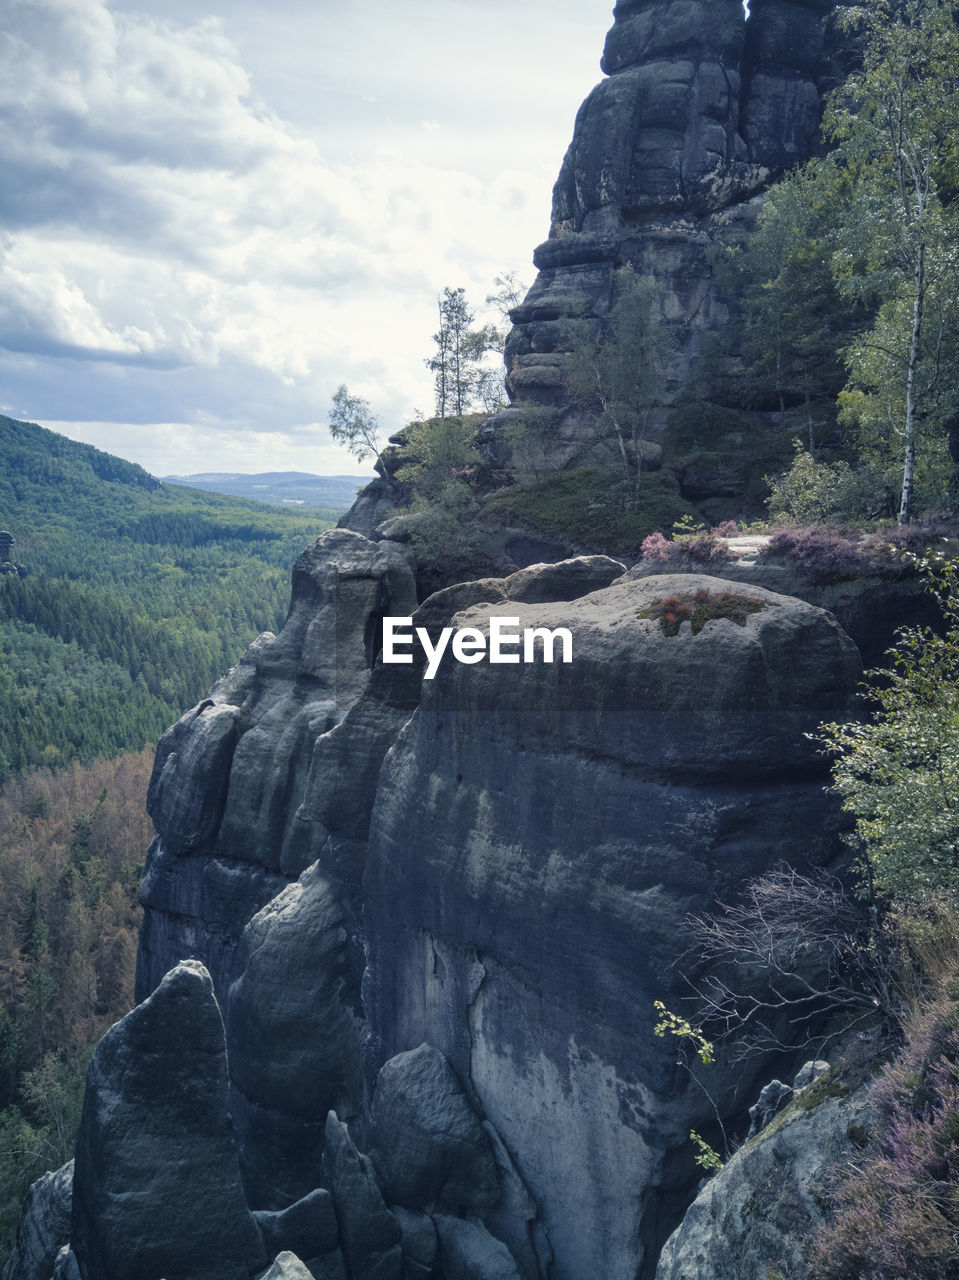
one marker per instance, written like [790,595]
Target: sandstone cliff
[436,956]
[700,111]
[402,937]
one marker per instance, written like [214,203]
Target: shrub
[896,1213]
[898,774]
[698,609]
[822,553]
[656,548]
[706,548]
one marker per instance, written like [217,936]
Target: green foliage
[461,379]
[793,319]
[898,772]
[590,506]
[139,596]
[895,124]
[71,856]
[618,374]
[701,607]
[439,460]
[690,1039]
[353,424]
[810,492]
[673,1024]
[707,1157]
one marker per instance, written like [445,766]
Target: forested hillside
[137,596]
[72,844]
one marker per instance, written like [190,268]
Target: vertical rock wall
[540,833]
[700,111]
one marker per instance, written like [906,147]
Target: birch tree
[895,123]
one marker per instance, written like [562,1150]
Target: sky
[214,212]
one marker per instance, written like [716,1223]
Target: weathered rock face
[538,836]
[292,1039]
[156,1188]
[44,1227]
[756,1217]
[231,773]
[700,111]
[439,1034]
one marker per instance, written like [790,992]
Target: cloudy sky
[213,212]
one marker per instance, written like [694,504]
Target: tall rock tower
[703,106]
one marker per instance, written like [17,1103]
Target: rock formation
[436,913]
[700,111]
[156,1185]
[757,1216]
[438,1033]
[44,1227]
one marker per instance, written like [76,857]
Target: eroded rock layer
[700,110]
[540,833]
[437,1056]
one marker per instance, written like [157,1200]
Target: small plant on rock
[656,549]
[691,1039]
[701,607]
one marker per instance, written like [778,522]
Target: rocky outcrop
[540,833]
[44,1227]
[230,775]
[700,110]
[439,1032]
[869,601]
[156,1188]
[757,1216]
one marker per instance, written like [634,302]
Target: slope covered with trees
[72,844]
[137,596]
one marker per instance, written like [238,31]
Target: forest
[132,598]
[135,596]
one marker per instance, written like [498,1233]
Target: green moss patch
[589,507]
[701,607]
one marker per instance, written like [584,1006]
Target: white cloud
[166,231]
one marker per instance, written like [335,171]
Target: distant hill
[138,595]
[280,488]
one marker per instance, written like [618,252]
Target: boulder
[429,1145]
[469,1252]
[369,1233]
[755,1217]
[156,1188]
[43,1228]
[292,1041]
[286,1266]
[565,580]
[306,1228]
[418,1240]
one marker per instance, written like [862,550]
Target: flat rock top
[674,669]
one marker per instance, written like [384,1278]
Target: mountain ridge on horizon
[278,488]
